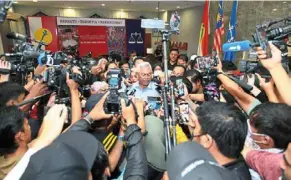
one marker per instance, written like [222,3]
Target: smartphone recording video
[184,113]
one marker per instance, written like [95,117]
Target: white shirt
[20,167]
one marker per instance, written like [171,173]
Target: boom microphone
[17,36]
[237,46]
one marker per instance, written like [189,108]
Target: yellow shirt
[180,135]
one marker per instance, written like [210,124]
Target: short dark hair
[132,52]
[10,91]
[274,120]
[11,122]
[226,124]
[138,58]
[194,74]
[184,57]
[174,49]
[123,61]
[100,163]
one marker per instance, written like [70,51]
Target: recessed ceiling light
[274,9]
[163,10]
[34,0]
[284,2]
[157,8]
[15,2]
[103,5]
[178,7]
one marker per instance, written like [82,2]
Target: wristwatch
[88,119]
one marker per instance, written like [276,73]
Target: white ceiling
[129,5]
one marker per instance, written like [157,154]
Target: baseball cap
[92,101]
[154,143]
[191,161]
[70,156]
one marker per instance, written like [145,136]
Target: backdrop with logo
[135,36]
[100,36]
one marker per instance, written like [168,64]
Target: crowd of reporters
[244,135]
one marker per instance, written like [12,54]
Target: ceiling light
[157,8]
[103,5]
[15,2]
[178,7]
[34,0]
[274,9]
[163,10]
[69,7]
[284,2]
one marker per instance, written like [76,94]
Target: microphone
[17,36]
[237,46]
[25,54]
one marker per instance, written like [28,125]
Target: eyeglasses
[146,75]
[250,130]
[198,135]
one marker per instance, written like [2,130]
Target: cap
[70,156]
[92,101]
[190,161]
[154,143]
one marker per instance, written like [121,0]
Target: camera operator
[136,159]
[278,73]
[15,138]
[221,129]
[144,87]
[131,55]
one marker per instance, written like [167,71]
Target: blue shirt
[143,93]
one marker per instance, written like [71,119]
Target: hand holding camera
[274,61]
[98,112]
[128,113]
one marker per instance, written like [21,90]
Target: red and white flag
[39,25]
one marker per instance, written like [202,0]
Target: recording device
[184,113]
[17,36]
[263,34]
[154,103]
[180,87]
[112,103]
[125,73]
[206,62]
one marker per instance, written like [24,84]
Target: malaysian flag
[219,30]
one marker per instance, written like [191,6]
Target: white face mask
[157,72]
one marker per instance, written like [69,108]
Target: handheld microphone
[17,36]
[237,46]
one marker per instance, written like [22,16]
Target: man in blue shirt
[144,87]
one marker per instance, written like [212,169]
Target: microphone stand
[169,126]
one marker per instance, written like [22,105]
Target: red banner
[204,32]
[94,39]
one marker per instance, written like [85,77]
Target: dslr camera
[112,103]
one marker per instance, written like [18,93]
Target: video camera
[112,103]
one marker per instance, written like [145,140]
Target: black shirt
[239,168]
[170,66]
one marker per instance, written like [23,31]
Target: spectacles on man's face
[254,134]
[144,75]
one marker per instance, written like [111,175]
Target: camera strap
[4,71]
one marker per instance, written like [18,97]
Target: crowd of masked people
[245,135]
